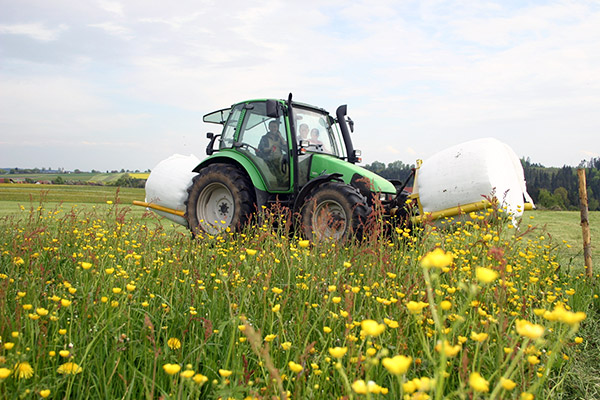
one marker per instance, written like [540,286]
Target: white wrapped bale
[168,183]
[467,172]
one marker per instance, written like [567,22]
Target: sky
[109,84]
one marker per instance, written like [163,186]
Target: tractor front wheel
[220,196]
[334,211]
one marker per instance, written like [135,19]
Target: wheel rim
[215,208]
[329,220]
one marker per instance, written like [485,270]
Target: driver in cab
[272,148]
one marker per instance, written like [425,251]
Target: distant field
[88,177]
[25,193]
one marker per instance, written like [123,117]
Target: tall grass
[97,304]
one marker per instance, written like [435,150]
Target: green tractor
[294,154]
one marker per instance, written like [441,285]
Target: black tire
[220,196]
[334,211]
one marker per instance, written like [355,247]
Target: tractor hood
[323,164]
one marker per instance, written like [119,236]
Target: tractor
[300,157]
[281,151]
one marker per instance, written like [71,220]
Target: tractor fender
[313,183]
[244,165]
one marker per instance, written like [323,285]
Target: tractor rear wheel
[334,211]
[220,196]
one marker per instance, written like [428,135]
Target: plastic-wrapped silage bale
[468,172]
[168,183]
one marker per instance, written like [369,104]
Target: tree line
[550,188]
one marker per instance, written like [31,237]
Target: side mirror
[209,148]
[273,109]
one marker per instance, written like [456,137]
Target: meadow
[100,300]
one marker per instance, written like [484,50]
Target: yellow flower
[172,369]
[69,368]
[270,337]
[86,265]
[276,290]
[449,350]
[276,308]
[507,384]
[304,243]
[336,299]
[225,373]
[416,307]
[479,337]
[117,290]
[437,258]
[188,373]
[9,345]
[446,305]
[130,287]
[526,396]
[372,328]
[41,311]
[174,343]
[578,340]
[478,382]
[64,353]
[533,360]
[62,331]
[23,370]
[5,373]
[360,387]
[486,275]
[527,329]
[65,302]
[296,368]
[109,270]
[338,352]
[45,393]
[397,365]
[250,252]
[326,329]
[200,379]
[286,345]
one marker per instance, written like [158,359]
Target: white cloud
[115,29]
[35,31]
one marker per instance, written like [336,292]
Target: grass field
[97,301]
[86,177]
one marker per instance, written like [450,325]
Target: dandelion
[69,368]
[478,383]
[338,352]
[296,368]
[486,275]
[171,369]
[174,343]
[397,365]
[5,373]
[437,258]
[371,327]
[23,370]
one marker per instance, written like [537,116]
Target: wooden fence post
[585,225]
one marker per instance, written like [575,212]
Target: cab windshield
[316,129]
